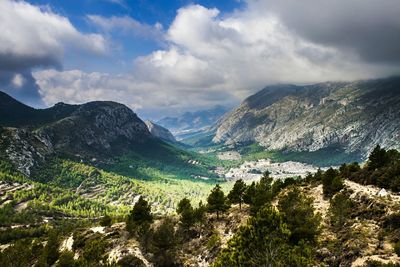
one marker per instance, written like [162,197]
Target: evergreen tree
[199,212]
[105,220]
[249,193]
[140,214]
[262,193]
[186,212]
[340,209]
[237,193]
[331,182]
[217,201]
[298,213]
[50,251]
[377,158]
[66,260]
[165,242]
[264,242]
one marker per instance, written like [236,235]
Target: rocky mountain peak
[160,132]
[350,116]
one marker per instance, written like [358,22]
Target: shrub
[397,248]
[105,221]
[131,261]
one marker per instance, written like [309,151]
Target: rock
[350,116]
[382,193]
[88,131]
[160,132]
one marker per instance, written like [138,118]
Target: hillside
[340,117]
[333,218]
[160,132]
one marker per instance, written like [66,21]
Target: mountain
[92,130]
[351,117]
[160,132]
[191,123]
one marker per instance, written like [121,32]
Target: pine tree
[377,158]
[262,194]
[249,193]
[298,213]
[165,243]
[237,193]
[264,242]
[186,212]
[140,214]
[340,209]
[331,182]
[217,201]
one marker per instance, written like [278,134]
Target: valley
[80,171]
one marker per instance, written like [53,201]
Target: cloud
[368,28]
[128,25]
[211,58]
[121,3]
[33,37]
[76,86]
[22,86]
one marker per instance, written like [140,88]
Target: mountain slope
[348,116]
[104,134]
[160,132]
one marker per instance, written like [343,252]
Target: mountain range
[348,117]
[192,123]
[99,132]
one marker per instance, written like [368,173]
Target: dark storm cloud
[13,62]
[369,28]
[22,86]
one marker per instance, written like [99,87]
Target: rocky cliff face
[95,126]
[160,132]
[85,131]
[353,116]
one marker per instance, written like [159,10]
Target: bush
[397,248]
[164,242]
[214,241]
[94,249]
[340,209]
[131,261]
[66,260]
[105,221]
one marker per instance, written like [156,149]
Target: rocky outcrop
[96,126]
[24,148]
[160,132]
[90,130]
[353,116]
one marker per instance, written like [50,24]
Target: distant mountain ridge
[350,116]
[192,122]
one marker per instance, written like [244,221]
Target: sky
[165,57]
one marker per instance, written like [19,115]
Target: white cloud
[128,25]
[212,59]
[18,81]
[76,86]
[32,37]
